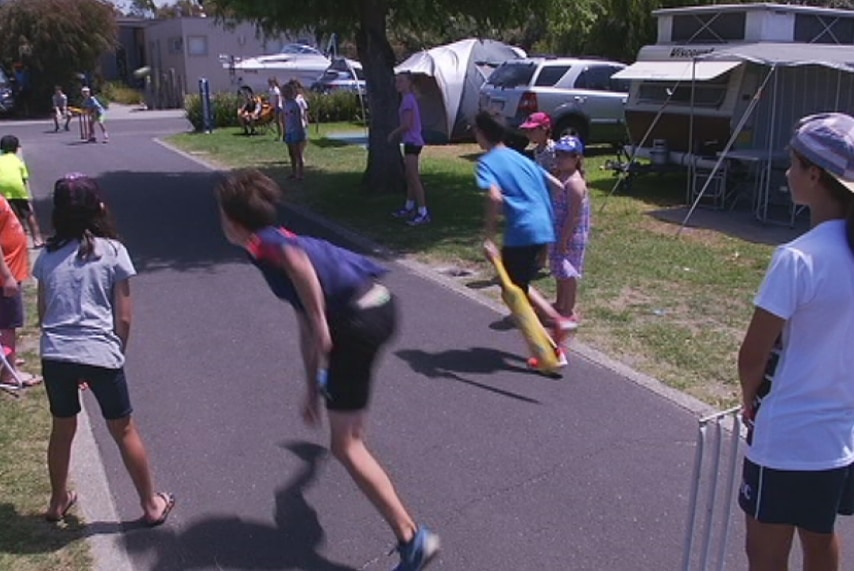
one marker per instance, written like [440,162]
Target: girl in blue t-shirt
[85,312]
[345,318]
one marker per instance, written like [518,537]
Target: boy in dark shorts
[519,188]
[14,186]
[345,317]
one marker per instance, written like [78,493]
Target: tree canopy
[368,22]
[54,40]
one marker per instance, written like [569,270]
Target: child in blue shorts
[295,136]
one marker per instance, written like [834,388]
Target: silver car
[578,94]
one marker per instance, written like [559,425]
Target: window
[596,78]
[176,45]
[512,74]
[550,75]
[197,45]
[709,94]
[708,28]
[813,28]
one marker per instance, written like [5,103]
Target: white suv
[578,94]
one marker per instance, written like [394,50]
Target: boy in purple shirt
[345,317]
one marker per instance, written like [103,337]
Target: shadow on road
[452,363]
[228,542]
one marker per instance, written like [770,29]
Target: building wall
[119,64]
[196,47]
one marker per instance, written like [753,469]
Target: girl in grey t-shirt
[85,311]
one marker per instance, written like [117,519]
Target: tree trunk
[384,172]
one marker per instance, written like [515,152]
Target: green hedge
[323,108]
[335,107]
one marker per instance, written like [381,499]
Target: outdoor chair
[16,383]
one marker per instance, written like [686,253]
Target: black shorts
[522,263]
[409,149]
[61,379]
[808,500]
[12,310]
[21,207]
[357,336]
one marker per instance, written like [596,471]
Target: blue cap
[569,144]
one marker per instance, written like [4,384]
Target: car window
[512,74]
[595,78]
[550,75]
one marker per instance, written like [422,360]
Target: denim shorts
[12,311]
[62,380]
[295,137]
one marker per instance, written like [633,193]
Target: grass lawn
[674,308]
[27,542]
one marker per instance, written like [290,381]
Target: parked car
[341,75]
[577,93]
[7,94]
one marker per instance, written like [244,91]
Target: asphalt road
[515,471]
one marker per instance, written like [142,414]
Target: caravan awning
[682,70]
[787,55]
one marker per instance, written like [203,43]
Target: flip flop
[72,499]
[170,503]
[30,380]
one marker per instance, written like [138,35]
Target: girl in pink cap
[538,129]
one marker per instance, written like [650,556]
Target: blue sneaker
[419,552]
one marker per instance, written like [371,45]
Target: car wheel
[573,126]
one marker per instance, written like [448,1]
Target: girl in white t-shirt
[276,100]
[799,469]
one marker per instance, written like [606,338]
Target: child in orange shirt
[14,269]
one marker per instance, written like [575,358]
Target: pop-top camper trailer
[726,79]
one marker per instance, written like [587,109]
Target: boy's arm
[309,356]
[294,261]
[493,208]
[124,311]
[10,284]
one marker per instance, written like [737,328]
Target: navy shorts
[62,379]
[809,500]
[410,149]
[357,337]
[522,263]
[21,207]
[12,310]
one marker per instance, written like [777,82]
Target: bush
[324,108]
[121,93]
[224,105]
[335,106]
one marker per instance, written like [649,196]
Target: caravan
[725,84]
[708,80]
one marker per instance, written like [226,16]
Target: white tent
[448,80]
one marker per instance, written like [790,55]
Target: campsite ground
[672,307]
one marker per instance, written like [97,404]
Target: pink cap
[537,120]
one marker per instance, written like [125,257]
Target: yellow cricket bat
[539,342]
